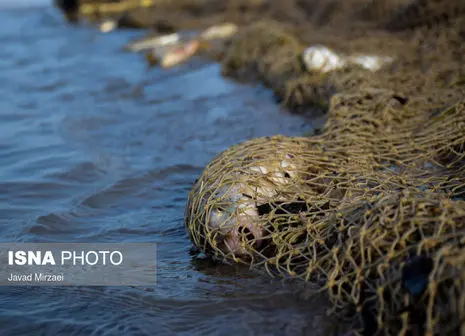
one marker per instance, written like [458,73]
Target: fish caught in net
[371,210]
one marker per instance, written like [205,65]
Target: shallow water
[96,147]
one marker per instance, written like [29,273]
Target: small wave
[136,312]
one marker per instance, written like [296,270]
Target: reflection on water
[95,147]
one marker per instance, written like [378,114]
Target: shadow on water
[95,147]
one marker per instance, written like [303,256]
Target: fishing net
[371,210]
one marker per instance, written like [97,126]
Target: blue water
[96,147]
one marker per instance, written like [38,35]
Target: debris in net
[108,26]
[219,32]
[373,63]
[154,42]
[180,55]
[174,55]
[322,59]
[222,31]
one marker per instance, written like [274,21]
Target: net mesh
[371,210]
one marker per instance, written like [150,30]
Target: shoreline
[273,34]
